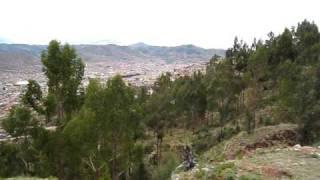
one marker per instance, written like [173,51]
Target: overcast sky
[206,23]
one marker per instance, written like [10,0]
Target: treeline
[268,82]
[99,129]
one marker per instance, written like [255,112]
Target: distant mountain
[177,53]
[139,45]
[16,56]
[19,56]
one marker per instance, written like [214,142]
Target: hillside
[268,153]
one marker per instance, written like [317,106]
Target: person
[188,158]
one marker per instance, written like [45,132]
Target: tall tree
[64,70]
[159,109]
[254,79]
[108,119]
[222,89]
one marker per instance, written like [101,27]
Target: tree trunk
[160,152]
[158,149]
[192,119]
[221,127]
[97,174]
[60,112]
[114,171]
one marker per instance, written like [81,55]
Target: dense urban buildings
[134,73]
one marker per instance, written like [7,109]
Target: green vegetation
[110,130]
[168,163]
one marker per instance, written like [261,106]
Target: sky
[205,23]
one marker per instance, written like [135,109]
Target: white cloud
[207,23]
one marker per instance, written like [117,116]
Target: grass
[269,164]
[282,163]
[276,161]
[231,149]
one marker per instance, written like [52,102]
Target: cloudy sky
[206,23]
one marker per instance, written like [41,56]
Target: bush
[224,171]
[168,164]
[200,174]
[10,163]
[267,121]
[229,174]
[204,140]
[229,132]
[140,173]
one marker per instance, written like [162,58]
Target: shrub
[204,140]
[168,164]
[229,132]
[229,174]
[224,171]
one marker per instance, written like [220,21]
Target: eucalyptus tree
[107,123]
[64,71]
[222,91]
[160,109]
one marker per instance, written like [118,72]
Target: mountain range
[17,56]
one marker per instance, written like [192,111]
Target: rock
[297,147]
[208,168]
[315,155]
[307,149]
[205,169]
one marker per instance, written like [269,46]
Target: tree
[64,70]
[190,96]
[49,104]
[87,139]
[121,110]
[308,42]
[159,109]
[22,126]
[285,48]
[19,122]
[254,79]
[298,99]
[10,163]
[238,55]
[307,35]
[108,121]
[32,96]
[222,89]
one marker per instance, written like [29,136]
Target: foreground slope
[268,153]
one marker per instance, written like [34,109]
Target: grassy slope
[286,163]
[277,160]
[235,147]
